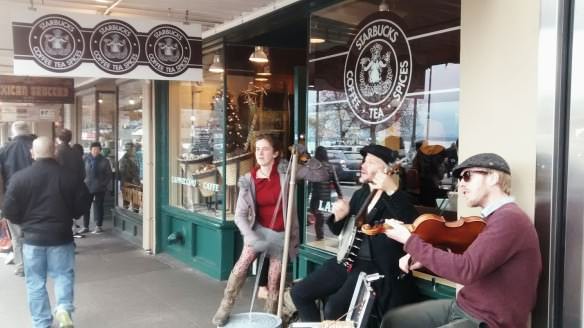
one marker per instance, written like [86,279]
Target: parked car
[347,165]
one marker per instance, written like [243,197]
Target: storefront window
[426,119]
[88,122]
[106,109]
[130,163]
[196,114]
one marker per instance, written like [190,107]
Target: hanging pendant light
[258,55]
[217,65]
[265,71]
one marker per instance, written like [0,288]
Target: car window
[354,156]
[335,155]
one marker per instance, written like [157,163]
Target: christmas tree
[235,139]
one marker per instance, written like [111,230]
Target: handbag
[5,241]
[313,171]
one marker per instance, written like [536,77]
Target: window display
[196,120]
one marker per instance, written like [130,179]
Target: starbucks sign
[378,69]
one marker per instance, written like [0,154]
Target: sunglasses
[468,174]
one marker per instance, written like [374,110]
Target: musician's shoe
[232,289]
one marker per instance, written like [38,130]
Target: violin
[455,236]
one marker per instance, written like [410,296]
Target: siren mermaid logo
[168,50]
[377,70]
[56,43]
[115,47]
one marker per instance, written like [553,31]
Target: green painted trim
[299,129]
[161,109]
[206,244]
[432,290]
[127,224]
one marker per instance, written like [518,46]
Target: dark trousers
[97,199]
[332,283]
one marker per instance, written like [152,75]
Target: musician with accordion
[334,281]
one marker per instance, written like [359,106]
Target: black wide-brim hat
[385,154]
[483,160]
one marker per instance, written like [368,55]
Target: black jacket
[97,178]
[15,156]
[385,252]
[71,160]
[43,199]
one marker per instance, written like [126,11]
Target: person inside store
[98,175]
[321,193]
[129,173]
[430,164]
[499,270]
[333,282]
[260,213]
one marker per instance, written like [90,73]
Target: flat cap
[484,160]
[384,153]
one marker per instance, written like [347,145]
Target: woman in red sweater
[259,215]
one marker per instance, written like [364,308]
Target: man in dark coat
[14,157]
[68,157]
[43,199]
[378,254]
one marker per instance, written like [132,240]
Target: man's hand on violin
[406,265]
[384,182]
[399,232]
[340,209]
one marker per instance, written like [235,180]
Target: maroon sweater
[499,271]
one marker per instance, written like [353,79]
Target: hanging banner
[378,68]
[38,90]
[98,46]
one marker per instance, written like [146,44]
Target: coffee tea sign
[378,69]
[97,46]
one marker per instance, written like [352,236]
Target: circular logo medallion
[378,69]
[168,50]
[56,43]
[115,47]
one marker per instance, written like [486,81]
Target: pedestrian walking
[43,199]
[15,156]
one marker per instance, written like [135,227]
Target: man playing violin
[333,282]
[499,270]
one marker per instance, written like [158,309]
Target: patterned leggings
[248,255]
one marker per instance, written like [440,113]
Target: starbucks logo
[378,69]
[56,43]
[168,50]
[115,47]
